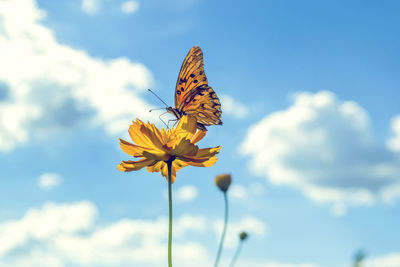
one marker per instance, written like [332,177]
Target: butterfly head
[174,111]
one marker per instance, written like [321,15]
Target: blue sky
[311,131]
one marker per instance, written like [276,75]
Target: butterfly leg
[175,120]
[163,120]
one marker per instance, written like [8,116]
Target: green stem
[239,248]
[169,165]
[221,244]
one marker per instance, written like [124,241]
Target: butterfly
[193,96]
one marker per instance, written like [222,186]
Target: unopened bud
[223,181]
[243,236]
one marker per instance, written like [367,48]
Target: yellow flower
[223,181]
[155,147]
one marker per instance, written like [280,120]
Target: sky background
[310,100]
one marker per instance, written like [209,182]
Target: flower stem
[221,244]
[239,248]
[169,165]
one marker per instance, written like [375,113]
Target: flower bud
[243,236]
[223,181]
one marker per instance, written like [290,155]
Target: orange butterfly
[193,96]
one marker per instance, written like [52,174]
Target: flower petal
[164,135]
[155,167]
[164,170]
[184,147]
[187,125]
[207,152]
[173,174]
[207,162]
[153,134]
[156,155]
[136,136]
[162,167]
[198,136]
[127,166]
[202,155]
[130,149]
[178,164]
[143,135]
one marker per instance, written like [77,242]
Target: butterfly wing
[203,103]
[190,76]
[193,95]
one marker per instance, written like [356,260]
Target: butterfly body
[193,95]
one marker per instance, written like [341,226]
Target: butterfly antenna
[158,97]
[155,109]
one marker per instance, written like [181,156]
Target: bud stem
[221,244]
[239,248]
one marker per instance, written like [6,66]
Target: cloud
[277,264]
[389,260]
[90,7]
[394,142]
[269,263]
[48,87]
[240,192]
[186,193]
[129,7]
[69,235]
[233,107]
[326,148]
[237,191]
[46,223]
[49,180]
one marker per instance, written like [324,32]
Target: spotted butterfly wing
[193,96]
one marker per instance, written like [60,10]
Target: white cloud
[186,193]
[326,148]
[246,194]
[389,260]
[250,224]
[53,87]
[45,223]
[233,107]
[237,191]
[49,180]
[129,7]
[68,235]
[277,264]
[90,7]
[267,263]
[394,142]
